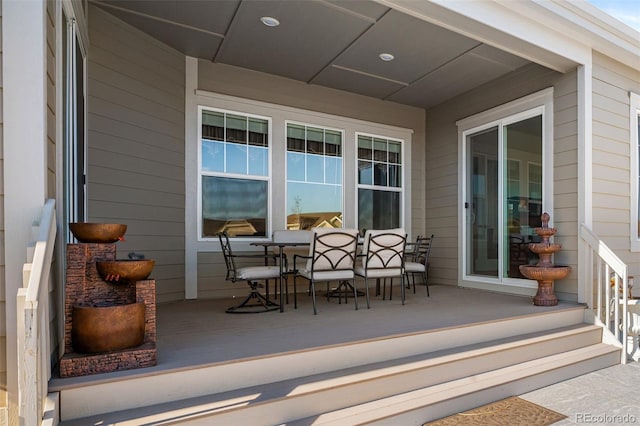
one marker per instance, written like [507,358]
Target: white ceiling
[333,43]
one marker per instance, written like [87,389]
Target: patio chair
[418,262]
[300,241]
[382,258]
[331,258]
[252,275]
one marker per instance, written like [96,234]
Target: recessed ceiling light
[269,21]
[387,57]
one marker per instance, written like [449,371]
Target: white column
[585,176]
[24,151]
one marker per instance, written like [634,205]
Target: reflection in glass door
[482,204]
[503,197]
[523,192]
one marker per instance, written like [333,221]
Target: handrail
[34,368]
[608,268]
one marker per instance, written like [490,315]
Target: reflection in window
[314,177]
[379,182]
[234,152]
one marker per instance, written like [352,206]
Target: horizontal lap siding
[136,145]
[612,200]
[565,179]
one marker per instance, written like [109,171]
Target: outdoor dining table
[281,245]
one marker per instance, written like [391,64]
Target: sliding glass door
[502,196]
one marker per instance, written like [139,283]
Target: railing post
[28,399]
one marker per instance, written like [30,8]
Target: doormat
[509,412]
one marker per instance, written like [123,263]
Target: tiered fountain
[545,272]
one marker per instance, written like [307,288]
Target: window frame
[343,200]
[201,173]
[634,170]
[373,186]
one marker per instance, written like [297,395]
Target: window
[314,177]
[234,173]
[379,182]
[634,123]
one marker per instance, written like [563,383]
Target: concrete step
[290,400]
[431,403]
[121,393]
[286,401]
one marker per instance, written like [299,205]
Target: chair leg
[426,282]
[260,302]
[402,287]
[355,294]
[313,297]
[366,289]
[295,292]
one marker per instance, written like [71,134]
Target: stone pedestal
[85,287]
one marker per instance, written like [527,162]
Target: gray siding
[249,84]
[565,180]
[611,191]
[442,179]
[136,145]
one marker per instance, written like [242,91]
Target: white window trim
[286,165]
[539,103]
[403,176]
[201,173]
[634,112]
[278,113]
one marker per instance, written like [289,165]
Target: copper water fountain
[545,272]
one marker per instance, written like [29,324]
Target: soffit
[329,43]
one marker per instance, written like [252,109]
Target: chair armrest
[295,258]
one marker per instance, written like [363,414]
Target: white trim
[585,171]
[279,115]
[286,165]
[536,104]
[404,209]
[252,104]
[24,97]
[247,176]
[634,142]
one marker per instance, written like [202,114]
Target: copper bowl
[86,232]
[125,270]
[107,328]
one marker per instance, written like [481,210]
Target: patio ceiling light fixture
[269,21]
[387,57]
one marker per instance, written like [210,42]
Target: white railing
[609,277]
[34,367]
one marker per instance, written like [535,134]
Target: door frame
[536,103]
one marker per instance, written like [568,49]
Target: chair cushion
[378,273]
[413,267]
[258,272]
[328,275]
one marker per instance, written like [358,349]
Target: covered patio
[198,333]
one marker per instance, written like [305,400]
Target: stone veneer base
[73,364]
[84,286]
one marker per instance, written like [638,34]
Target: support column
[24,153]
